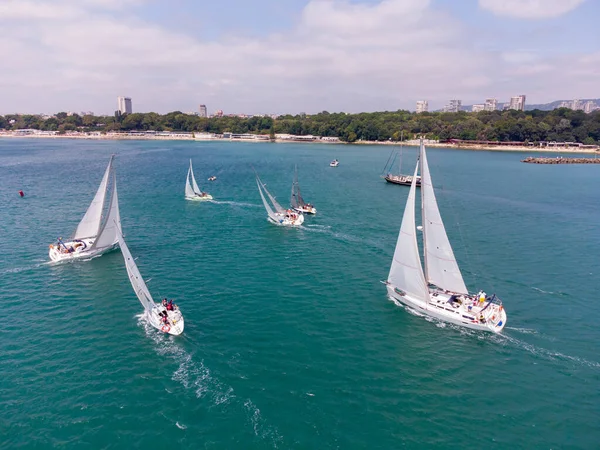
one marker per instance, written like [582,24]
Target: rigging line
[388,161]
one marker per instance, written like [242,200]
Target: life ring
[166,328]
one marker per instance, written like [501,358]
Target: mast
[423,213]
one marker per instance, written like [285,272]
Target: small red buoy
[21,194]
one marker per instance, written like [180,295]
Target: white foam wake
[194,375]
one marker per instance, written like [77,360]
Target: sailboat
[192,191]
[93,236]
[167,320]
[438,291]
[297,202]
[276,213]
[402,179]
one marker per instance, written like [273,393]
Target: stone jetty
[561,160]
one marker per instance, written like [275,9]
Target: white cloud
[530,9]
[339,56]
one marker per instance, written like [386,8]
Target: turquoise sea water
[290,341]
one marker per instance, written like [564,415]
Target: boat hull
[81,249]
[286,221]
[200,198]
[440,308]
[175,318]
[305,210]
[403,180]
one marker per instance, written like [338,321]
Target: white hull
[80,249]
[334,164]
[287,221]
[200,198]
[175,319]
[440,308]
[306,210]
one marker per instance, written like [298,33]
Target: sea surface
[290,341]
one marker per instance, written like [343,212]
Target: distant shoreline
[175,137]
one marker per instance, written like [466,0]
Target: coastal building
[517,103]
[124,105]
[453,106]
[477,108]
[491,104]
[203,112]
[219,113]
[589,107]
[577,105]
[422,106]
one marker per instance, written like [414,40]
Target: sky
[292,56]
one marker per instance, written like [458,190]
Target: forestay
[108,235]
[90,224]
[406,272]
[137,282]
[440,264]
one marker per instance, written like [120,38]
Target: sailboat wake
[232,203]
[505,339]
[195,376]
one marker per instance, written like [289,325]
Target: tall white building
[477,108]
[453,106]
[517,103]
[589,107]
[203,111]
[491,104]
[422,106]
[577,105]
[124,105]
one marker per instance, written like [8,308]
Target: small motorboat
[213,178]
[334,163]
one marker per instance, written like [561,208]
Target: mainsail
[296,201]
[137,282]
[197,190]
[108,235]
[440,264]
[278,209]
[90,224]
[406,272]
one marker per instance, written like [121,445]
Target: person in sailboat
[170,306]
[164,302]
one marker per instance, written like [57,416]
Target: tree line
[561,125]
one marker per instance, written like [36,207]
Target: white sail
[267,206]
[189,192]
[194,184]
[90,224]
[406,272]
[108,235]
[440,264]
[137,282]
[276,205]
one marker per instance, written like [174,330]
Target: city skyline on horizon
[289,57]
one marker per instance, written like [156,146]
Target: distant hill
[544,107]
